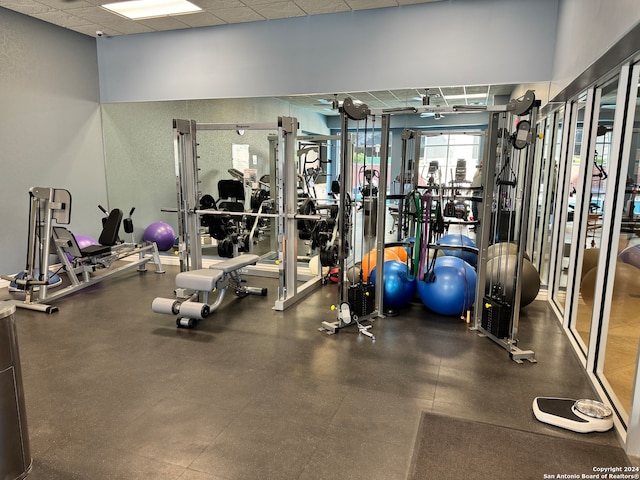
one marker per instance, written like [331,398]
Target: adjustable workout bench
[203,283]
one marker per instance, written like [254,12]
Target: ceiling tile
[413,2]
[319,7]
[368,4]
[164,23]
[61,18]
[211,5]
[126,27]
[279,10]
[253,3]
[203,19]
[92,28]
[27,7]
[65,4]
[237,15]
[95,14]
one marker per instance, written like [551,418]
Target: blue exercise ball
[54,281]
[161,233]
[399,287]
[450,288]
[459,240]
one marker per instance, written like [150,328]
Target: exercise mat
[453,448]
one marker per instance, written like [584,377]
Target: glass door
[621,306]
[593,213]
[566,199]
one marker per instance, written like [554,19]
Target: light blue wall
[457,42]
[50,129]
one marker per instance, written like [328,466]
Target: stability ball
[450,288]
[501,269]
[459,240]
[503,248]
[631,255]
[589,260]
[161,233]
[53,280]
[399,252]
[84,241]
[353,274]
[398,288]
[370,259]
[626,284]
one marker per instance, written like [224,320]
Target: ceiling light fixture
[464,96]
[140,9]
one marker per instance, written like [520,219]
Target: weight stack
[496,317]
[361,299]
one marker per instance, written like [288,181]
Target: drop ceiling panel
[238,15]
[61,18]
[319,7]
[275,10]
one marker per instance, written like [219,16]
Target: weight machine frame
[283,163]
[526,105]
[47,205]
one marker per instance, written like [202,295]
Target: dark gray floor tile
[352,455]
[382,416]
[89,462]
[258,446]
[175,432]
[307,401]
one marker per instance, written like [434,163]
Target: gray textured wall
[50,129]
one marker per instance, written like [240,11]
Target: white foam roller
[194,310]
[168,306]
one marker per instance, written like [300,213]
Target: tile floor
[114,391]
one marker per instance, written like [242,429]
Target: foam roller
[194,310]
[167,306]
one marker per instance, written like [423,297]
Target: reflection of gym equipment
[369,193]
[199,285]
[50,204]
[582,416]
[354,304]
[507,177]
[282,192]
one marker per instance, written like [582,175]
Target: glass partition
[555,144]
[623,332]
[596,184]
[566,201]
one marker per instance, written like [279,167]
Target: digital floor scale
[582,416]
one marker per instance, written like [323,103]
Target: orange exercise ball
[400,252]
[370,259]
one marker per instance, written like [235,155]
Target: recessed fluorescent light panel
[139,9]
[468,95]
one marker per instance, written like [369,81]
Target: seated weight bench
[204,282]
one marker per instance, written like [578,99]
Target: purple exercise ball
[631,255]
[161,233]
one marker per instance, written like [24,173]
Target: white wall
[50,129]
[586,30]
[458,42]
